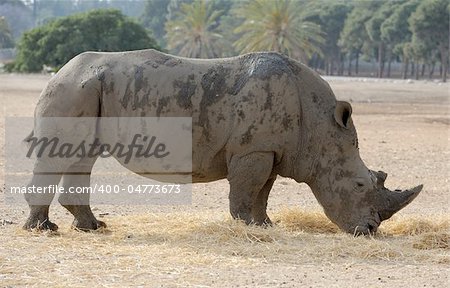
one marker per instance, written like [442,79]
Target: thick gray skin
[254,117]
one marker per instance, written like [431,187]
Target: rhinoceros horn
[393,201]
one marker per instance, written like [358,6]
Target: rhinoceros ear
[342,113]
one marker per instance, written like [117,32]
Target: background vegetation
[330,35]
[57,42]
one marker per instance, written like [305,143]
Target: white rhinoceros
[254,117]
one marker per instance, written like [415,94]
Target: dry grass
[138,248]
[305,221]
[427,233]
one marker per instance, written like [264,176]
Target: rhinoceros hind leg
[250,184]
[79,176]
[39,203]
[259,210]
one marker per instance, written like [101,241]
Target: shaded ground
[403,129]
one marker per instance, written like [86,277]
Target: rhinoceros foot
[34,222]
[251,220]
[263,223]
[87,225]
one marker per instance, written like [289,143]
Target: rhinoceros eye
[359,184]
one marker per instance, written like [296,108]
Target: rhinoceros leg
[250,182]
[79,175]
[259,210]
[39,203]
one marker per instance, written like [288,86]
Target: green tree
[193,32]
[331,17]
[395,32]
[57,42]
[279,26]
[354,39]
[6,39]
[373,27]
[154,18]
[430,26]
[227,24]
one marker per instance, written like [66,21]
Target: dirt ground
[403,129]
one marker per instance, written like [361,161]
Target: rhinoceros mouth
[364,230]
[370,227]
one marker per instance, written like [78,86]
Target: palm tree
[192,32]
[277,25]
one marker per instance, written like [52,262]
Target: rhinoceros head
[353,197]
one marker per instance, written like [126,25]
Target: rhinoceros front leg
[78,177]
[251,179]
[39,203]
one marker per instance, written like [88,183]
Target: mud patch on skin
[265,65]
[168,61]
[136,103]
[268,103]
[214,89]
[185,92]
[246,98]
[162,59]
[344,175]
[126,96]
[138,78]
[130,96]
[110,88]
[286,121]
[214,85]
[162,103]
[314,96]
[143,102]
[152,63]
[262,66]
[220,117]
[100,74]
[239,82]
[248,136]
[241,114]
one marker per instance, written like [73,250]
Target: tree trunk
[405,68]
[349,73]
[357,63]
[444,57]
[430,74]
[389,63]
[422,73]
[389,68]
[413,68]
[380,60]
[417,66]
[313,61]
